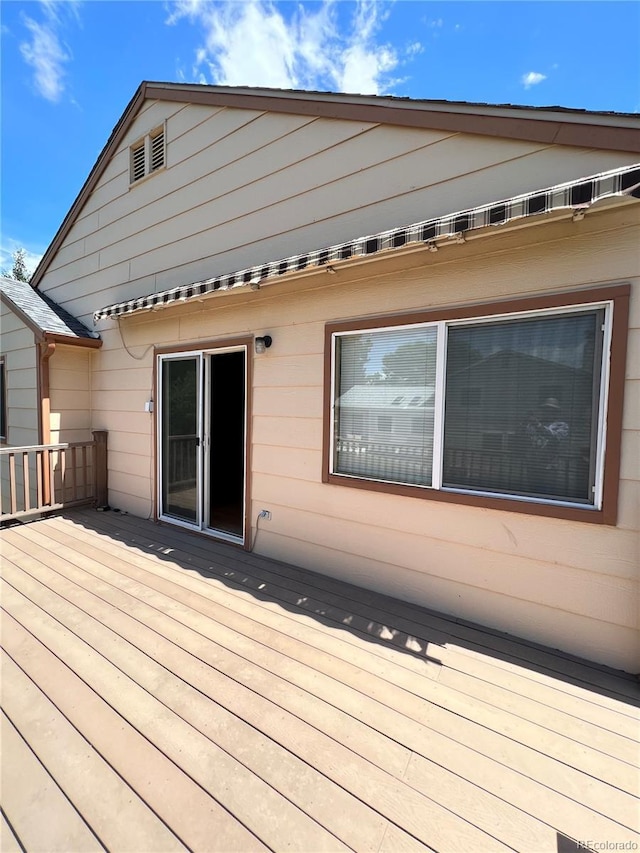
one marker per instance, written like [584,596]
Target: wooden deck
[163,692]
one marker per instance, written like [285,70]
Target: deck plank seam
[622,688]
[66,627]
[546,756]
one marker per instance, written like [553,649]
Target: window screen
[521,406]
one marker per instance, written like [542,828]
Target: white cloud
[532,78]
[255,43]
[44,51]
[414,49]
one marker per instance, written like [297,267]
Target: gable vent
[147,155]
[157,151]
[138,162]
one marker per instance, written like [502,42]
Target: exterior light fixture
[263,343]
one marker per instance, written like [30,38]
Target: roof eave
[41,334]
[94,176]
[72,340]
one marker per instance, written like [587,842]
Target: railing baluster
[62,455]
[46,477]
[25,481]
[12,482]
[39,463]
[58,482]
[52,482]
[74,491]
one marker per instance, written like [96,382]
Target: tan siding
[569,590]
[70,394]
[601,550]
[17,344]
[584,636]
[633,360]
[559,582]
[242,187]
[303,433]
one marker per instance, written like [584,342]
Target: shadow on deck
[416,631]
[243,703]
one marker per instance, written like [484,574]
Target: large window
[508,403]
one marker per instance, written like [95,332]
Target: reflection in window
[520,413]
[383,377]
[538,382]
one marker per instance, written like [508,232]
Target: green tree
[19,268]
[411,364]
[354,357]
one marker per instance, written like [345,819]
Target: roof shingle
[42,311]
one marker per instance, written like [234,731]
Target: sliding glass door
[202,440]
[181,439]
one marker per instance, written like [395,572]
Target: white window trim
[438,439]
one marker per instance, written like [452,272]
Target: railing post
[100,473]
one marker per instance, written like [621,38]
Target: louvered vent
[137,162]
[157,151]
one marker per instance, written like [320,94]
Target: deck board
[192,814]
[621,775]
[77,769]
[285,710]
[42,817]
[247,570]
[371,604]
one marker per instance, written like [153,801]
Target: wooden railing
[182,460]
[508,471]
[46,477]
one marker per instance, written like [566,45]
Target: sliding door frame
[202,349]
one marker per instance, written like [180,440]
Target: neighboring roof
[576,196]
[396,397]
[550,125]
[43,315]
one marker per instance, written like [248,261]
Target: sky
[69,68]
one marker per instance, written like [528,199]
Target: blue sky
[69,69]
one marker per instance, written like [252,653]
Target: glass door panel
[181,439]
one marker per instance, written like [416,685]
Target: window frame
[610,405]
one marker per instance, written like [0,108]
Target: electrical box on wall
[148,406]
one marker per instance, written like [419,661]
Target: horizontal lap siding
[562,583]
[70,394]
[18,346]
[242,187]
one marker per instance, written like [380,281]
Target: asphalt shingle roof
[42,311]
